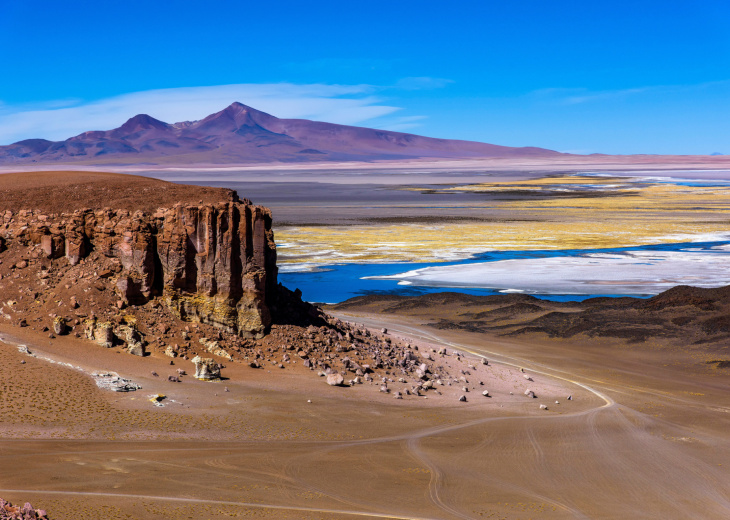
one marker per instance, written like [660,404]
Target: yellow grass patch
[639,214]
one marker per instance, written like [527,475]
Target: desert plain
[631,425]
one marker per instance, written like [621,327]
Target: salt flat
[628,273]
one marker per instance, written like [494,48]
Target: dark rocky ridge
[683,314]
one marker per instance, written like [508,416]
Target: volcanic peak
[240,134]
[142,122]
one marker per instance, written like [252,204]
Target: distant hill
[240,135]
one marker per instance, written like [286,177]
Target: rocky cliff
[211,263]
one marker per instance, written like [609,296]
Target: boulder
[335,379]
[136,349]
[206,368]
[59,325]
[104,334]
[133,338]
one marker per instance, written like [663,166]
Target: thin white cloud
[401,124]
[576,96]
[58,120]
[588,97]
[422,83]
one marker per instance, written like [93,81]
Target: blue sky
[610,77]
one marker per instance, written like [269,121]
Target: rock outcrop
[209,263]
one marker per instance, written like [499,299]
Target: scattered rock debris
[27,512]
[112,381]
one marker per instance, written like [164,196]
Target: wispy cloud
[422,83]
[57,120]
[401,124]
[577,96]
[588,97]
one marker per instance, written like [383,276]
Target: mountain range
[240,134]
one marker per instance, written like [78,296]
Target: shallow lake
[336,283]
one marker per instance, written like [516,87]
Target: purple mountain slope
[241,134]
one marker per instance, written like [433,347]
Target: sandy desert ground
[656,448]
[260,448]
[643,437]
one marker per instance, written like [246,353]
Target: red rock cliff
[212,263]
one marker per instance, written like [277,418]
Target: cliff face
[210,263]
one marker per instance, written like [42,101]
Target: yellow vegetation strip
[645,214]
